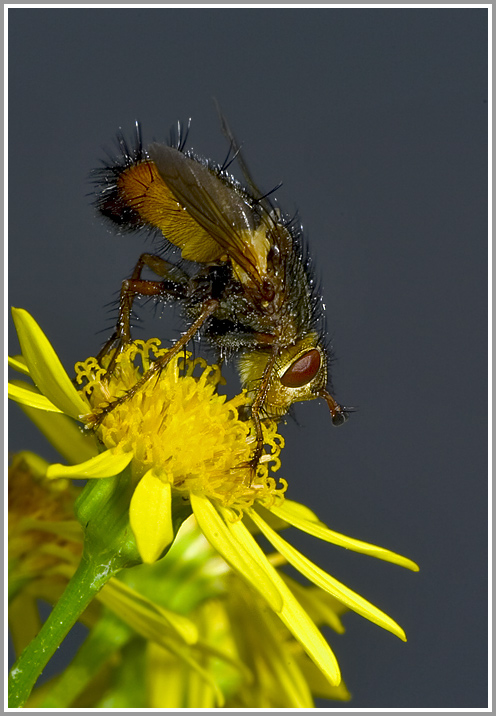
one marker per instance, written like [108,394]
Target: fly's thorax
[256,242]
[299,373]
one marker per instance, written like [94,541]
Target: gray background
[376,121]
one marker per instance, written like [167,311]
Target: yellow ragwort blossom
[190,615]
[183,441]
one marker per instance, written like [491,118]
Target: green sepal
[103,512]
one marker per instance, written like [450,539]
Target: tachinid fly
[244,281]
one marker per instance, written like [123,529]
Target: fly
[244,282]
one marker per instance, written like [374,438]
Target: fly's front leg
[173,285]
[209,307]
[257,406]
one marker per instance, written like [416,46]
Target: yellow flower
[180,433]
[41,518]
[275,671]
[42,535]
[45,545]
[185,445]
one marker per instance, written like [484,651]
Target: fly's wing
[217,208]
[131,194]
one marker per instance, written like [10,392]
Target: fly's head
[299,374]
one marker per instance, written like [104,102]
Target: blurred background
[376,122]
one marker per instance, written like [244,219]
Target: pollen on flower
[179,425]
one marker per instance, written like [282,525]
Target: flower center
[179,425]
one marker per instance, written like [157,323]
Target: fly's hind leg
[173,285]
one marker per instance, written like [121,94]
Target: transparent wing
[215,206]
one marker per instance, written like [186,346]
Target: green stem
[89,578]
[109,545]
[105,640]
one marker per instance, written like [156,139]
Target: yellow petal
[73,442]
[319,604]
[68,529]
[285,672]
[176,634]
[305,520]
[199,692]
[45,367]
[150,516]
[318,685]
[323,580]
[27,394]
[36,465]
[163,667]
[292,614]
[144,615]
[19,364]
[237,554]
[148,621]
[106,464]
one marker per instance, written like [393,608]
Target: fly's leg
[257,406]
[209,307]
[173,286]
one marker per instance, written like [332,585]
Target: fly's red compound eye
[303,370]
